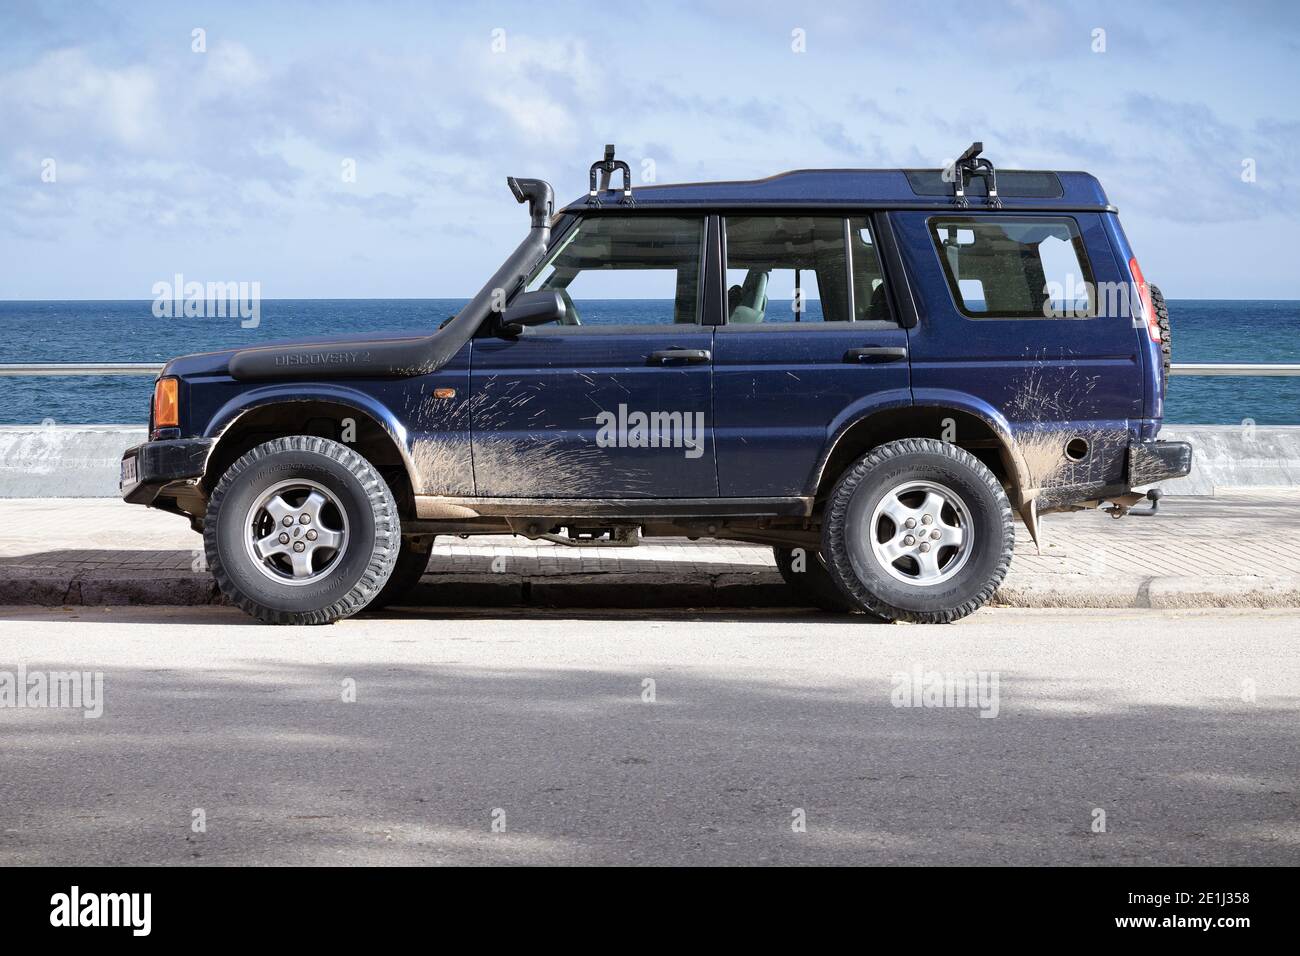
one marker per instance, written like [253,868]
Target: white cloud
[64,95]
[156,144]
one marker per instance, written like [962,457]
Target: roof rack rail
[606,168]
[965,168]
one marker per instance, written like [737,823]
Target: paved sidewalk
[1227,551]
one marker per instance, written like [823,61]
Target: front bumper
[1153,461]
[149,468]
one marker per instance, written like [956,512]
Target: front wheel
[918,530]
[301,530]
[412,562]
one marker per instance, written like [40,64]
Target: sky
[338,150]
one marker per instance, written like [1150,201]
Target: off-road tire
[863,578]
[407,571]
[1162,317]
[814,583]
[365,561]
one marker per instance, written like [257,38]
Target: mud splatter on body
[544,461]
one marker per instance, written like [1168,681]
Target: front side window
[1015,268]
[627,270]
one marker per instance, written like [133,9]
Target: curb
[1150,592]
[760,588]
[106,588]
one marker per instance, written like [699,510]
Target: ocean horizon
[117,330]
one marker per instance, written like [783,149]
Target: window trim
[874,224]
[848,267]
[897,271]
[954,293]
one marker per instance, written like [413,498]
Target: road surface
[481,737]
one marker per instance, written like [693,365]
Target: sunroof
[1012,184]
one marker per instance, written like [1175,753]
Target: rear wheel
[301,530]
[805,571]
[918,530]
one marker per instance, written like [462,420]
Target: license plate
[128,471]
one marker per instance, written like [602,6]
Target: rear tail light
[1144,297]
[166,404]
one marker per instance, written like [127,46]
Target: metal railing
[153,368]
[91,368]
[1183,368]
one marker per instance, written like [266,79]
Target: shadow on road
[582,770]
[221,615]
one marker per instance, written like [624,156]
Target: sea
[1204,330]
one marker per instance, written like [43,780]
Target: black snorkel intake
[537,193]
[404,358]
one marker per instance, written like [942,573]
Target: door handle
[687,356]
[875,353]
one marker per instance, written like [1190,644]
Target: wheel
[301,530]
[1162,317]
[805,571]
[410,566]
[918,530]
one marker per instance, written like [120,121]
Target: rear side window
[786,269]
[1007,268]
[869,301]
[783,269]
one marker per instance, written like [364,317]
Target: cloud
[1186,163]
[384,206]
[63,98]
[218,137]
[159,148]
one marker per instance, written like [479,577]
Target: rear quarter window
[1001,267]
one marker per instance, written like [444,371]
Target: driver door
[615,401]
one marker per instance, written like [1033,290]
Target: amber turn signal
[166,404]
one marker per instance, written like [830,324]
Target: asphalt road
[1182,727]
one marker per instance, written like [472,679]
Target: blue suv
[873,372]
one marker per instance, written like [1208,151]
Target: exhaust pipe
[408,357]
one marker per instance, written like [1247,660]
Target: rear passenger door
[808,344]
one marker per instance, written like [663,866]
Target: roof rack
[966,167]
[606,168]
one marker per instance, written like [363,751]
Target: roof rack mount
[965,168]
[606,168]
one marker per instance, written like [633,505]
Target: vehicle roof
[877,188]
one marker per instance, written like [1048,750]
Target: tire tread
[1166,331]
[836,550]
[382,558]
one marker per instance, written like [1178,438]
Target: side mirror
[533,308]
